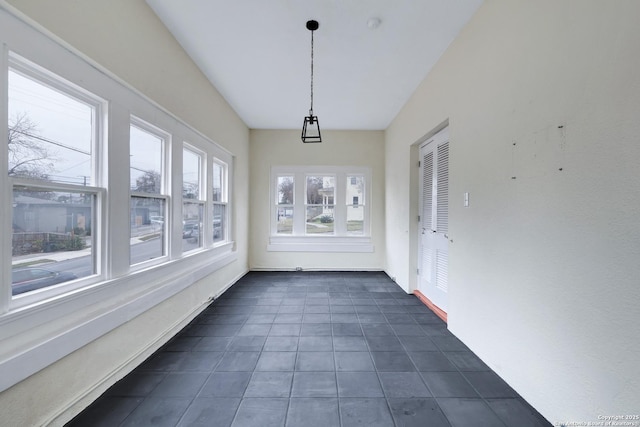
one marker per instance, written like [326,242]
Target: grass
[286,227]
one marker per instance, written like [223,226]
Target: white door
[434,219]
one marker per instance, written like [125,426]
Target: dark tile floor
[313,349]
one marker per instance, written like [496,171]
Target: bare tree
[189,190]
[149,182]
[314,185]
[286,191]
[28,155]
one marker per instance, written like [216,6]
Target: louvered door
[434,219]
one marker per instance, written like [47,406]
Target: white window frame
[40,75]
[165,178]
[299,240]
[224,196]
[201,198]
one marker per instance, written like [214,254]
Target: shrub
[325,219]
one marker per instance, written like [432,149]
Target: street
[142,251]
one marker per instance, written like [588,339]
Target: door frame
[414,210]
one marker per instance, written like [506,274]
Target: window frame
[301,241]
[17,63]
[201,199]
[330,204]
[290,206]
[224,196]
[165,190]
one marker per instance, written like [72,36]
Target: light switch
[466,200]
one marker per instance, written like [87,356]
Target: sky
[64,124]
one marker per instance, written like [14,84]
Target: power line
[50,141]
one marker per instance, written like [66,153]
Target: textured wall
[543,272]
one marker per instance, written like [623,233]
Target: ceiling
[257,54]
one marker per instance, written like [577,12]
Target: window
[220,194]
[52,132]
[148,200]
[193,204]
[321,191]
[317,205]
[284,204]
[355,210]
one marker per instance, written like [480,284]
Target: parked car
[217,226]
[156,219]
[29,278]
[190,229]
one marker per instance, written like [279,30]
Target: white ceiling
[257,54]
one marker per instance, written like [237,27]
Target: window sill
[347,244]
[37,335]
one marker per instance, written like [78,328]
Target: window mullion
[340,216]
[174,165]
[115,230]
[300,204]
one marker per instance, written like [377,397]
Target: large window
[284,191]
[193,199]
[148,198]
[220,198]
[355,203]
[315,205]
[52,135]
[320,204]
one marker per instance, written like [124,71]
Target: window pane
[285,219]
[320,201]
[355,190]
[285,190]
[145,161]
[320,219]
[218,181]
[147,229]
[192,226]
[52,240]
[320,190]
[190,174]
[219,217]
[50,133]
[355,219]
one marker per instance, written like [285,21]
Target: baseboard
[426,301]
[82,401]
[316,269]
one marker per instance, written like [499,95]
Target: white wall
[126,38]
[544,268]
[341,148]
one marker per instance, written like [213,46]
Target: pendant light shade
[311,127]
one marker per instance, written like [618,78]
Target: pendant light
[311,127]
